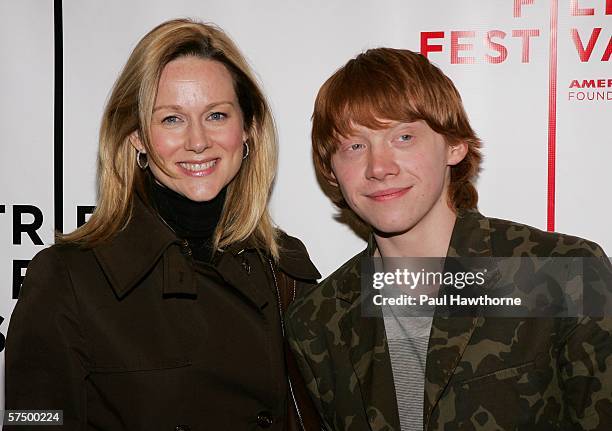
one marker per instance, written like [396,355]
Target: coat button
[185,249]
[264,420]
[246,266]
[182,428]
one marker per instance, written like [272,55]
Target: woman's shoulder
[48,276]
[55,265]
[60,255]
[294,258]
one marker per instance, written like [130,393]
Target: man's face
[395,177]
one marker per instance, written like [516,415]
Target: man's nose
[381,163]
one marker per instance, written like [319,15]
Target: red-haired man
[391,139]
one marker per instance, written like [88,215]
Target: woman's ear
[456,153]
[134,138]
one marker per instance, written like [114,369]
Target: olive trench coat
[136,335]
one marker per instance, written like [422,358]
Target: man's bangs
[367,101]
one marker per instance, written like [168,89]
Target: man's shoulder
[319,302]
[509,238]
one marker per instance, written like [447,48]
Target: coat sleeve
[45,347]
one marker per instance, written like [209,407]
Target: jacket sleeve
[587,355]
[45,347]
[587,374]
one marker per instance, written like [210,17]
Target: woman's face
[197,128]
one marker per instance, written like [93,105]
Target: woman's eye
[216,116]
[355,147]
[171,120]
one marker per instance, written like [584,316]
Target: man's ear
[456,153]
[332,179]
[134,138]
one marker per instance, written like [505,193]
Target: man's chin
[389,230]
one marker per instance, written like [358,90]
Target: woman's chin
[201,195]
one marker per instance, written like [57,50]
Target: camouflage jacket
[481,373]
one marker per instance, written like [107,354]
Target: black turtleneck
[192,221]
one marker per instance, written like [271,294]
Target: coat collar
[293,260]
[369,352]
[133,252]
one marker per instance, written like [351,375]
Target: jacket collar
[471,237]
[369,352]
[294,259]
[133,252]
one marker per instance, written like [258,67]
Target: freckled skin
[410,157]
[196,120]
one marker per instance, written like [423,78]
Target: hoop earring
[142,165]
[246,151]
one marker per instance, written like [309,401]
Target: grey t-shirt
[408,338]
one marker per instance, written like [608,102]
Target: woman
[164,311]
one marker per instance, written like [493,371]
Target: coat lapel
[131,254]
[368,354]
[450,336]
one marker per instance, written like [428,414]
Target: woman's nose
[197,138]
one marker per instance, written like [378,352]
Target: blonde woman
[165,311]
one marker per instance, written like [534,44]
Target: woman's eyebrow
[179,108]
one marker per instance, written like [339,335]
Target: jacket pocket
[510,399]
[503,374]
[156,394]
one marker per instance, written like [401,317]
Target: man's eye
[405,138]
[216,116]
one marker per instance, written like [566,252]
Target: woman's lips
[198,168]
[388,194]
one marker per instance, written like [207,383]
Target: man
[393,142]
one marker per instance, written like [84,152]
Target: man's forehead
[378,125]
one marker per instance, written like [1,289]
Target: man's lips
[388,194]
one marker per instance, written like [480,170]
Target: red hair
[400,85]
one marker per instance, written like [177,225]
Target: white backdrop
[503,74]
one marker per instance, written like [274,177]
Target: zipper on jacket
[282,321]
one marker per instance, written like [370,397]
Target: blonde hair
[245,215]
